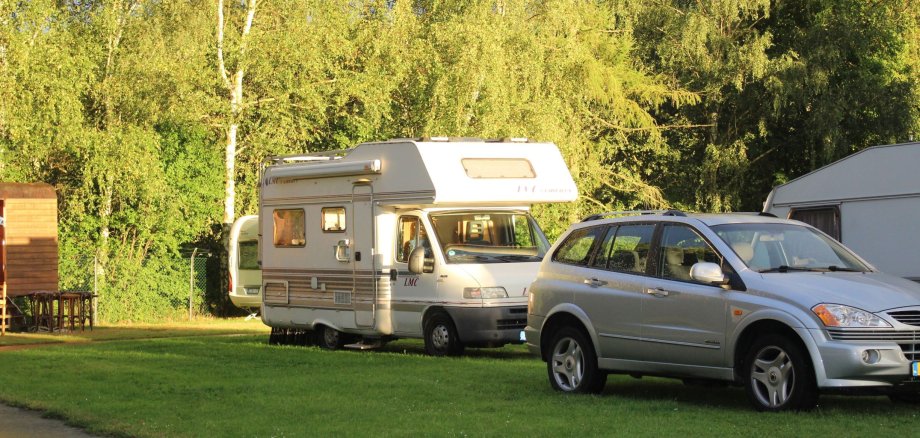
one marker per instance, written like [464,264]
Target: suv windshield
[489,237]
[787,247]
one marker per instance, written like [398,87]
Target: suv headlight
[835,315]
[485,292]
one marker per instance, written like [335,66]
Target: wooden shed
[28,240]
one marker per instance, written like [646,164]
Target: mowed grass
[241,386]
[109,332]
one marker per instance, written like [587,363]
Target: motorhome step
[365,345]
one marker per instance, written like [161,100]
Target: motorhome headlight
[836,315]
[485,292]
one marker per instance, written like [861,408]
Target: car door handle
[593,282]
[658,292]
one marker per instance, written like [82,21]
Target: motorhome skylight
[498,168]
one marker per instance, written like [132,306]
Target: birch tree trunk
[233,82]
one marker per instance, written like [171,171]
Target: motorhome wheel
[328,338]
[441,337]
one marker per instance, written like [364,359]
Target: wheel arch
[786,326]
[562,315]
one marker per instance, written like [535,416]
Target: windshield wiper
[835,268]
[520,258]
[784,268]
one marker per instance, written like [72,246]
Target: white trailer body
[245,286]
[869,201]
[386,239]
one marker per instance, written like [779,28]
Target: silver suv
[771,304]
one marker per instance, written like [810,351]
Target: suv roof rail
[607,214]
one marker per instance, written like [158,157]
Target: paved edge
[19,422]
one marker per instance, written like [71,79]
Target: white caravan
[869,201]
[406,238]
[245,288]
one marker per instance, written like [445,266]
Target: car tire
[778,375]
[572,363]
[441,338]
[329,338]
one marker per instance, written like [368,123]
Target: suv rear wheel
[778,376]
[572,364]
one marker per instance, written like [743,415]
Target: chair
[675,266]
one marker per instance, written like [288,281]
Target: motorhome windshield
[787,248]
[489,237]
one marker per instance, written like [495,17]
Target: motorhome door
[364,287]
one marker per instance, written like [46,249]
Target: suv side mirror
[417,263]
[708,273]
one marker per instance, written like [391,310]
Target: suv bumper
[489,326]
[844,366]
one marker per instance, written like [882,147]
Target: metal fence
[184,278]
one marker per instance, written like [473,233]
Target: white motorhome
[869,201]
[406,238]
[245,287]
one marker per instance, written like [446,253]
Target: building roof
[26,191]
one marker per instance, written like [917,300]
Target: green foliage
[698,105]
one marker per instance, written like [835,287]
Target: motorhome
[406,238]
[868,201]
[245,285]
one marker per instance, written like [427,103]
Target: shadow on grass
[734,398]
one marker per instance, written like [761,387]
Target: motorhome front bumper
[489,326]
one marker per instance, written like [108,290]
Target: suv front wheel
[572,363]
[778,375]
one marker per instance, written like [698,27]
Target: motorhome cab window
[289,228]
[498,168]
[334,219]
[489,237]
[249,254]
[412,234]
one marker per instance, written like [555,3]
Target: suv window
[576,249]
[630,248]
[681,248]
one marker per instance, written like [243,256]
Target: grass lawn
[241,386]
[111,332]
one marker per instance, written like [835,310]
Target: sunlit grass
[109,332]
[241,386]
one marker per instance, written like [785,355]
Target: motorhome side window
[289,228]
[412,235]
[333,219]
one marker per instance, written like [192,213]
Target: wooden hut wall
[31,245]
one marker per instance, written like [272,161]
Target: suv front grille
[908,340]
[909,317]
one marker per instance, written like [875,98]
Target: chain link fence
[153,288]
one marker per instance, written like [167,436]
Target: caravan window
[334,219]
[248,254]
[289,228]
[412,234]
[498,168]
[826,219]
